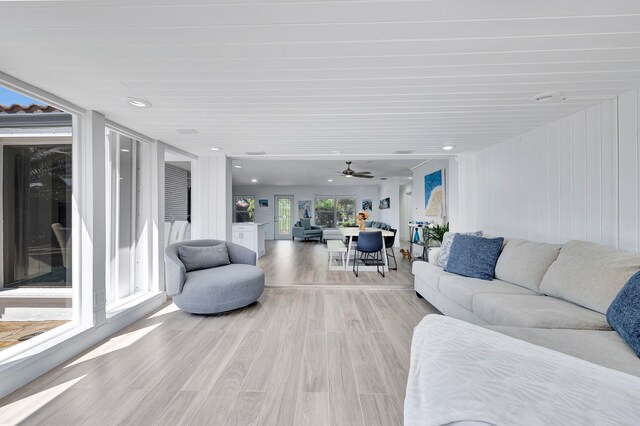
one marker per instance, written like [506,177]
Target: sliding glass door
[36,215]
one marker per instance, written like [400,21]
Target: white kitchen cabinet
[249,235]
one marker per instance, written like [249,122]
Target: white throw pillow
[445,248]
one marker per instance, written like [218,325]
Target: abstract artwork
[304,209]
[263,203]
[367,205]
[434,194]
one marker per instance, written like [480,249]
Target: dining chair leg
[392,256]
[355,261]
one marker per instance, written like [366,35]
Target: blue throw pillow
[624,313]
[474,257]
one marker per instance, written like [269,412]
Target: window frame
[81,311]
[140,252]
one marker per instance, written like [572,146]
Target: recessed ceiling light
[139,102]
[329,180]
[187,131]
[216,149]
[124,150]
[448,147]
[254,180]
[237,166]
[336,152]
[403,151]
[410,177]
[547,96]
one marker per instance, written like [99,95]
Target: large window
[332,211]
[128,219]
[36,214]
[243,208]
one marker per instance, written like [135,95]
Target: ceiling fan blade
[364,173]
[358,175]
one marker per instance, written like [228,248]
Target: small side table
[421,243]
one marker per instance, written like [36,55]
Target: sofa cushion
[536,311]
[605,348]
[445,246]
[428,273]
[589,274]
[462,289]
[474,257]
[624,313]
[196,258]
[525,262]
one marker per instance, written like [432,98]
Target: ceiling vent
[404,151]
[256,153]
[384,178]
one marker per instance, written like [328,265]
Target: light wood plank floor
[299,262]
[300,356]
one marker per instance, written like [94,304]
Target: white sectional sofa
[554,296]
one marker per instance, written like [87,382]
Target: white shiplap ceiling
[310,77]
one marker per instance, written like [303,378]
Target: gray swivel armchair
[213,290]
[303,229]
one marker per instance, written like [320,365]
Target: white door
[283,216]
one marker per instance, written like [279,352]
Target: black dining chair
[369,242]
[388,245]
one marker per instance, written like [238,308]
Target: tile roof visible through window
[27,109]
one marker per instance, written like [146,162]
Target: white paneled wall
[575,178]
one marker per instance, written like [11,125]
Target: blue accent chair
[369,242]
[303,229]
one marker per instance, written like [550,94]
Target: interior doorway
[283,217]
[178,173]
[406,211]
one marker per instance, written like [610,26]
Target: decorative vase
[416,236]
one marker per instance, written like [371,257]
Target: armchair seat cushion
[300,231]
[220,289]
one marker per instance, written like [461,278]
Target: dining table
[352,231]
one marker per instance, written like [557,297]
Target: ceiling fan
[352,173]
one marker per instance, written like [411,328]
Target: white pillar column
[211,198]
[157,212]
[93,220]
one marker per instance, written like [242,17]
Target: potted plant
[434,233]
